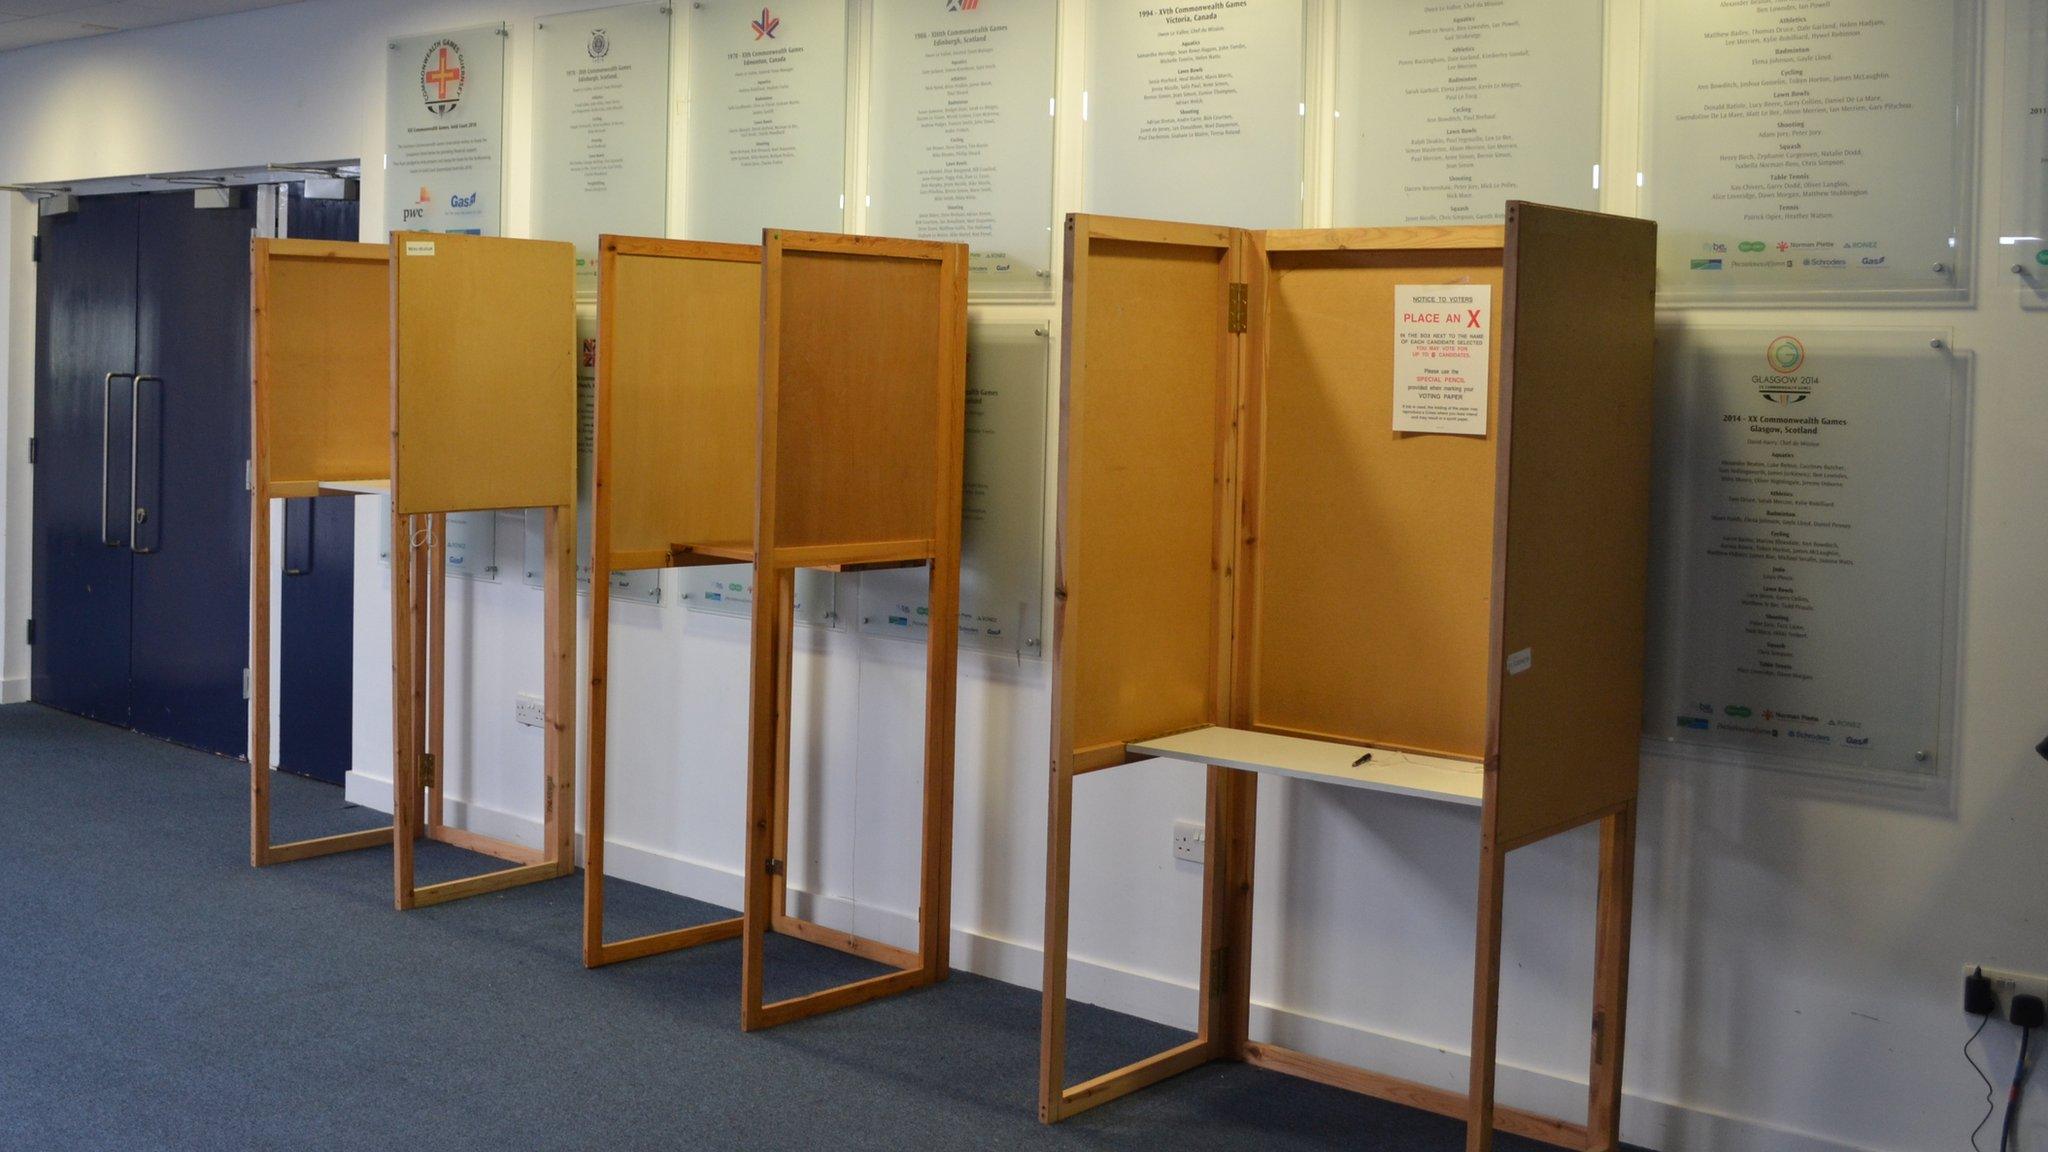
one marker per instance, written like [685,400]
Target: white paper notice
[1443,343]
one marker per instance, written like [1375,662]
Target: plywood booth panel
[1371,554]
[1147,401]
[679,346]
[483,373]
[858,387]
[321,329]
[1579,319]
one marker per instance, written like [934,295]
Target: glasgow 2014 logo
[1786,355]
[442,75]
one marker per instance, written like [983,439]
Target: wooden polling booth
[674,466]
[482,416]
[1258,574]
[448,363]
[320,316]
[795,405]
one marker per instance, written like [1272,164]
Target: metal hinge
[31,629]
[247,681]
[248,474]
[35,249]
[31,451]
[774,867]
[427,769]
[1240,307]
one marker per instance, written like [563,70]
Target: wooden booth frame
[483,418]
[725,361]
[370,362]
[1183,626]
[319,382]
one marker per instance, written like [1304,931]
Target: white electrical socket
[530,710]
[1190,841]
[2010,984]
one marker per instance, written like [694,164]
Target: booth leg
[778,883]
[259,676]
[1059,855]
[768,722]
[405,811]
[1610,977]
[594,743]
[941,687]
[558,679]
[1485,993]
[435,659]
[1227,912]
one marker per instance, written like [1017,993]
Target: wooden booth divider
[320,314]
[482,409]
[1257,574]
[718,363]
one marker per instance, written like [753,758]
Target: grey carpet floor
[158,993]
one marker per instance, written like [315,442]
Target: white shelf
[355,487]
[1403,773]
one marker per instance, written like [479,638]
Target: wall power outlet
[2010,984]
[530,710]
[1190,841]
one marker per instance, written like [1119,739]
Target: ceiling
[26,22]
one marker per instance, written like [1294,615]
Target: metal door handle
[139,514]
[106,436]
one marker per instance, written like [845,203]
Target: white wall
[1796,951]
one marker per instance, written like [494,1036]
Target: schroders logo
[600,45]
[1786,355]
[442,75]
[764,28]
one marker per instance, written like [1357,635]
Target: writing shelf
[1389,770]
[1241,516]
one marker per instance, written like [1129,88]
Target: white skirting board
[1650,1123]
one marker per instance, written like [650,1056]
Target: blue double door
[141,507]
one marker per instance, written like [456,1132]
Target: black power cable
[2029,1013]
[1990,1091]
[2012,1100]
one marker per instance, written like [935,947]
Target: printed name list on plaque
[962,128]
[1443,343]
[1809,149]
[767,140]
[1448,110]
[601,128]
[1805,547]
[1198,106]
[444,132]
